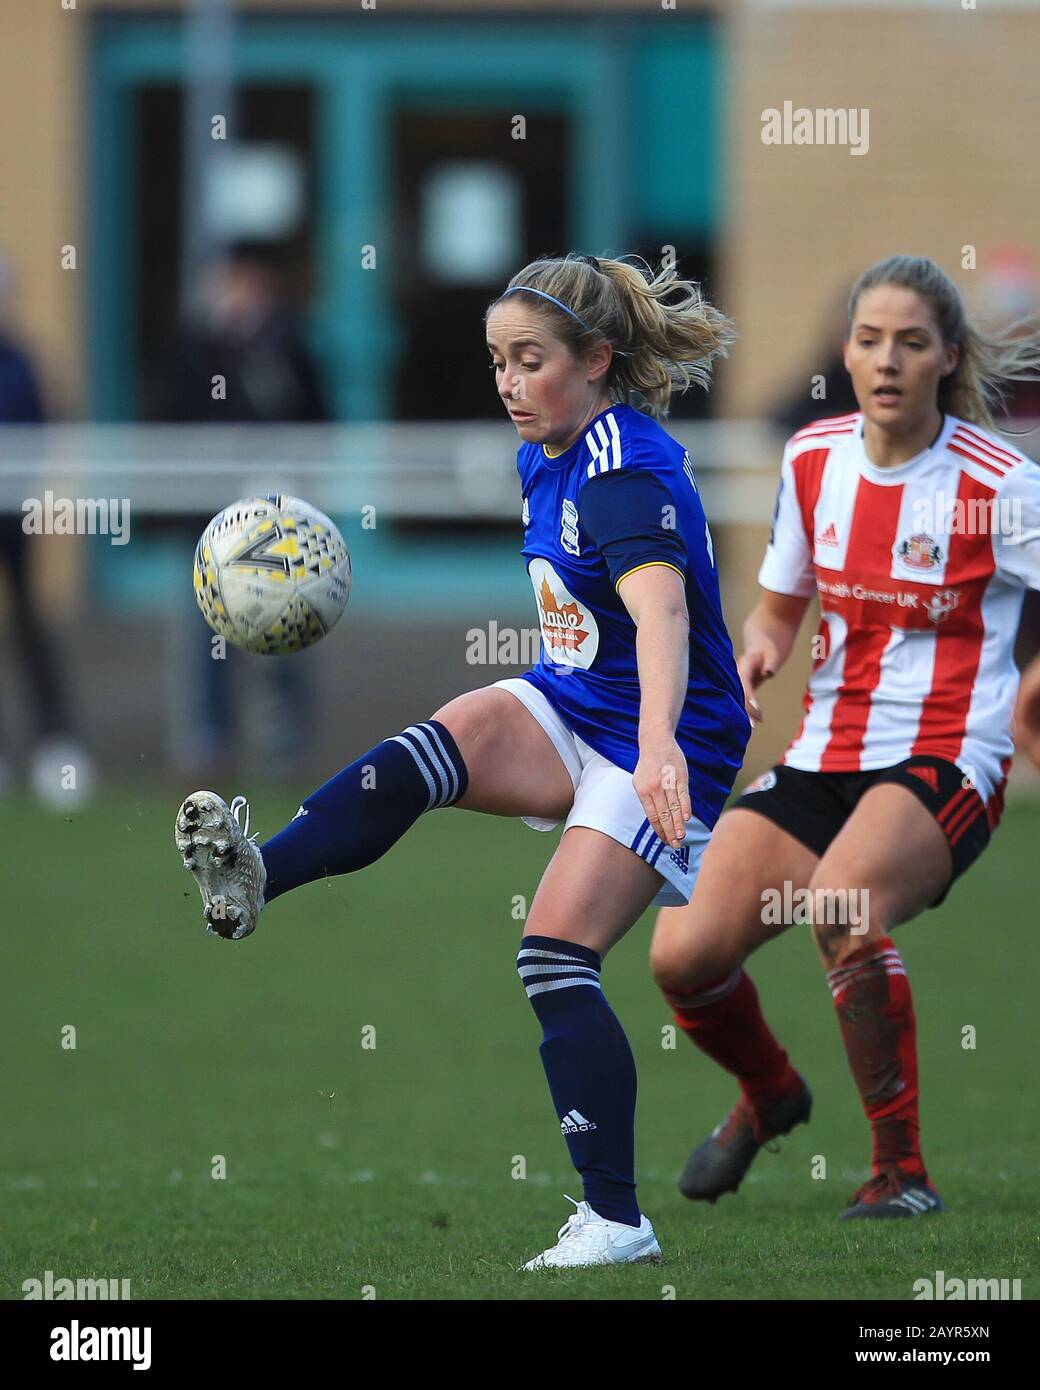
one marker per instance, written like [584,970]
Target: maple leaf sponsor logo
[561,623]
[569,630]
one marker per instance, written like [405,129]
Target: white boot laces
[241,803]
[575,1227]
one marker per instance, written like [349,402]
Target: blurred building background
[393,165]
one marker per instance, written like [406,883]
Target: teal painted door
[360,75]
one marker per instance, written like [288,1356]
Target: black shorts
[814,806]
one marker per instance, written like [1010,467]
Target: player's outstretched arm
[769,634]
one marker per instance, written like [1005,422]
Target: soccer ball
[272,574]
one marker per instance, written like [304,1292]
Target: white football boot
[226,865]
[588,1239]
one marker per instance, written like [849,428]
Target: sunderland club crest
[920,552]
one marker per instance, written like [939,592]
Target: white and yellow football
[272,574]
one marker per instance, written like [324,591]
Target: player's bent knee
[845,896]
[465,718]
[845,918]
[683,966]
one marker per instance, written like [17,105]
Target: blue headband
[552,299]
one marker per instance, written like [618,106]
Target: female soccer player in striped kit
[919,529]
[630,728]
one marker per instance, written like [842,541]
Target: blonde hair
[974,391]
[664,334]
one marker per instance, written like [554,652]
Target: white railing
[437,470]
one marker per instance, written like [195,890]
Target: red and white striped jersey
[921,571]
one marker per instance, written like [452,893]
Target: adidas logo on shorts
[928,775]
[574,1122]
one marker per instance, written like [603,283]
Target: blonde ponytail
[665,335]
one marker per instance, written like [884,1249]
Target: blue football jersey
[588,666]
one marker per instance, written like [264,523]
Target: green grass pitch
[353,1168]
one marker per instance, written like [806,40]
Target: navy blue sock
[590,1069]
[357,815]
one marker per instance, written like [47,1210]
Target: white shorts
[606,800]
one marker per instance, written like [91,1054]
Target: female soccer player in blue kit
[630,728]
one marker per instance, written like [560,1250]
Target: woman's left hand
[661,781]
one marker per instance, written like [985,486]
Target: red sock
[723,1018]
[876,1016]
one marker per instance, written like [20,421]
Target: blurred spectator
[245,334]
[61,772]
[826,371]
